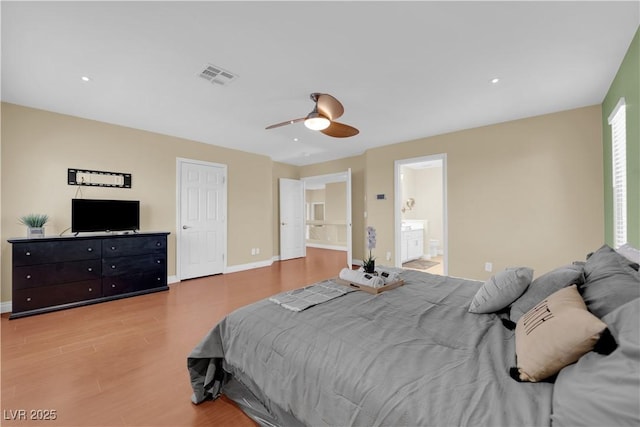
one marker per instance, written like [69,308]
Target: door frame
[179,162]
[398,206]
[344,176]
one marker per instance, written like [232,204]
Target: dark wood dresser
[54,273]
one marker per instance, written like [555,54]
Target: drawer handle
[28,299]
[89,269]
[89,249]
[113,267]
[158,244]
[28,276]
[158,278]
[158,261]
[113,248]
[90,290]
[113,285]
[28,253]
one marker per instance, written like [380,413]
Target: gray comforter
[412,356]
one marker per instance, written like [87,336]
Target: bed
[417,356]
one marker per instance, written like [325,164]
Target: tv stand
[55,273]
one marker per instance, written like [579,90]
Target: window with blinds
[617,121]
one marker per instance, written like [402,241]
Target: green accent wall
[626,84]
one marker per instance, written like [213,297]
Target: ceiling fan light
[315,121]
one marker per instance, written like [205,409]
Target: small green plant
[34,220]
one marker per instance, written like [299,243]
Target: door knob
[184,227]
[283,223]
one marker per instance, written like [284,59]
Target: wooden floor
[123,363]
[438,268]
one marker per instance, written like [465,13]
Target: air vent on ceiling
[217,75]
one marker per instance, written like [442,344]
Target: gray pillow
[501,290]
[629,252]
[603,390]
[544,286]
[610,281]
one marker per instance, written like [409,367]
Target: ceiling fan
[326,110]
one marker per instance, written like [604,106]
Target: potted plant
[35,224]
[369,264]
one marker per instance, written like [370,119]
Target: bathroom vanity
[412,239]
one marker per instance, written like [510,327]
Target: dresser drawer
[132,264]
[34,298]
[54,273]
[133,282]
[31,276]
[118,247]
[29,253]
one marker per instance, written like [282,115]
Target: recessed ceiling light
[295,139]
[495,80]
[85,79]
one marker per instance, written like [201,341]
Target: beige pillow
[554,334]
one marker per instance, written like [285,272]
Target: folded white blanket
[388,274]
[359,277]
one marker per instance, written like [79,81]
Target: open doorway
[421,214]
[328,212]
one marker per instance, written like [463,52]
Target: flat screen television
[104,215]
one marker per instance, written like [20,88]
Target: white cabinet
[412,245]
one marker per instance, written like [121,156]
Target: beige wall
[333,231]
[315,196]
[526,192]
[336,202]
[38,147]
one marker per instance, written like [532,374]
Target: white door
[292,223]
[202,221]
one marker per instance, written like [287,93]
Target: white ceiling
[403,70]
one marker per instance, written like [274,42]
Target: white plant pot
[35,232]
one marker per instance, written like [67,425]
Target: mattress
[410,356]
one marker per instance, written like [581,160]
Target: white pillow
[501,290]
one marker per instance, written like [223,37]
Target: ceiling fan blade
[328,106]
[340,130]
[288,122]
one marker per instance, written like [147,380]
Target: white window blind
[618,123]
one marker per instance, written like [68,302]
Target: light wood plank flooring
[123,363]
[436,269]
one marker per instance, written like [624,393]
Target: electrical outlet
[257,251]
[388,256]
[253,251]
[488,266]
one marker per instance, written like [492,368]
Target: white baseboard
[332,247]
[252,265]
[6,307]
[172,279]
